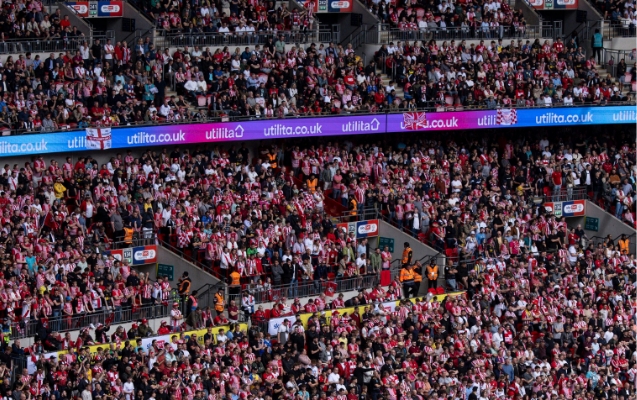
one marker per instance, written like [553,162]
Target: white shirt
[129,389]
[164,110]
[108,50]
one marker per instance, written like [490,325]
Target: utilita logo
[553,118]
[436,123]
[225,133]
[147,138]
[362,126]
[110,8]
[488,120]
[284,130]
[625,116]
[78,142]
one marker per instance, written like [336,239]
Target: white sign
[31,364]
[275,323]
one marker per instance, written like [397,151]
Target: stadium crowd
[478,19]
[546,312]
[111,84]
[619,12]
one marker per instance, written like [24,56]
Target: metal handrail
[104,316]
[470,32]
[308,288]
[45,45]
[164,39]
[166,244]
[576,194]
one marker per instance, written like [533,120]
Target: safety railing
[462,33]
[165,39]
[307,288]
[618,29]
[191,256]
[597,240]
[46,45]
[103,316]
[566,194]
[611,59]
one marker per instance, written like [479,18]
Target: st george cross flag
[98,138]
[507,116]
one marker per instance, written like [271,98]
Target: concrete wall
[368,18]
[420,250]
[141,24]
[608,224]
[530,15]
[81,24]
[627,44]
[198,276]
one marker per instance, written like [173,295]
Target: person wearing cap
[144,330]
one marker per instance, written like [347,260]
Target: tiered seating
[497,73]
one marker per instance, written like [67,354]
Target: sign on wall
[592,224]
[97,9]
[144,255]
[328,6]
[365,229]
[215,132]
[135,255]
[554,4]
[386,242]
[574,208]
[166,270]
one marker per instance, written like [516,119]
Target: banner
[97,9]
[347,227]
[366,229]
[79,7]
[135,255]
[145,255]
[388,306]
[98,138]
[31,364]
[145,343]
[275,323]
[554,4]
[574,208]
[109,9]
[327,6]
[340,6]
[214,132]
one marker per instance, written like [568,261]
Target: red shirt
[557,177]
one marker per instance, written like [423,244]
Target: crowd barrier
[143,343]
[273,324]
[421,121]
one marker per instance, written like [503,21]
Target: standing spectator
[597,43]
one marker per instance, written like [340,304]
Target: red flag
[49,221]
[330,289]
